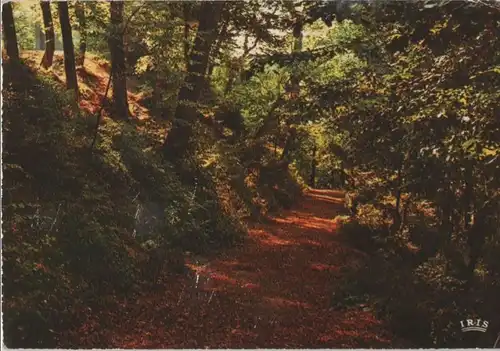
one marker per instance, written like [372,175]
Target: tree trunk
[82,24]
[50,38]
[269,119]
[231,76]
[297,47]
[396,217]
[177,142]
[406,210]
[312,179]
[290,140]
[39,37]
[477,234]
[116,48]
[345,181]
[9,32]
[467,197]
[69,50]
[446,211]
[214,53]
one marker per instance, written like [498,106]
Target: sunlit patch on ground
[92,83]
[329,200]
[223,277]
[281,302]
[270,239]
[324,267]
[309,242]
[251,286]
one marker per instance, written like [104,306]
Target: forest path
[274,291]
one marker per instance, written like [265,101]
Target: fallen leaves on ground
[273,291]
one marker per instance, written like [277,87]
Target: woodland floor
[273,291]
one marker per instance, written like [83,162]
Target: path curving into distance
[274,291]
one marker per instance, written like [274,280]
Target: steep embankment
[92,82]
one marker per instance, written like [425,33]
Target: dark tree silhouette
[312,177]
[178,140]
[82,26]
[9,30]
[50,47]
[116,47]
[69,51]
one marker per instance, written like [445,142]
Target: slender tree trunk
[9,32]
[50,38]
[468,196]
[269,119]
[39,37]
[396,218]
[312,180]
[215,51]
[297,47]
[230,77]
[116,48]
[177,142]
[156,93]
[406,210]
[294,83]
[234,69]
[475,239]
[82,24]
[290,140]
[446,223]
[398,200]
[343,175]
[69,50]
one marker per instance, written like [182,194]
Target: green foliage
[396,102]
[26,17]
[71,217]
[421,122]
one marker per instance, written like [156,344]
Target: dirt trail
[274,292]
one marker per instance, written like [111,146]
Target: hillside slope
[92,81]
[83,227]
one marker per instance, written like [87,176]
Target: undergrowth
[411,284]
[78,223]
